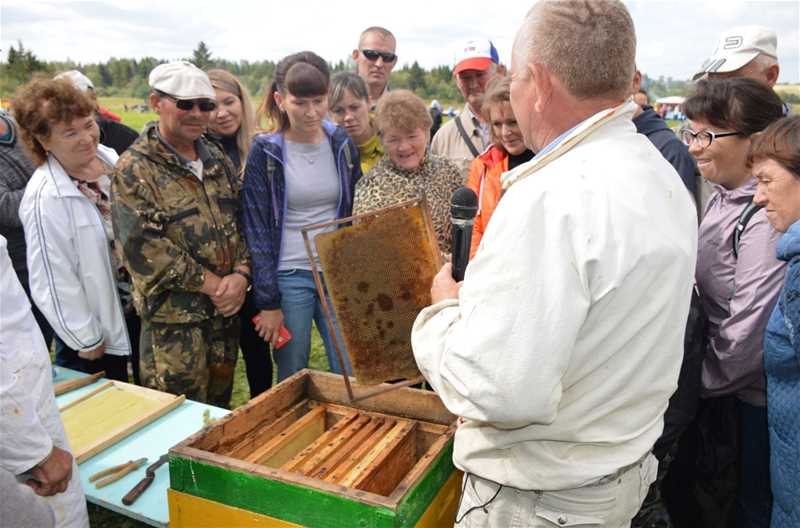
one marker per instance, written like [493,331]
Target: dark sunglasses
[372,55]
[205,105]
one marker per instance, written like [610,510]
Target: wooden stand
[301,454]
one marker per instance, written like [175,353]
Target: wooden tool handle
[133,466]
[109,471]
[134,494]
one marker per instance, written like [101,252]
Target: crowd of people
[622,348]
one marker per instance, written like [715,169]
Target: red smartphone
[284,335]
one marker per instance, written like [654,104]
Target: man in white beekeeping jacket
[563,345]
[33,445]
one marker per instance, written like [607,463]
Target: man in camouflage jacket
[175,211]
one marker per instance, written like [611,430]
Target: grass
[102,518]
[135,120]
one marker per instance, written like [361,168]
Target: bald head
[589,45]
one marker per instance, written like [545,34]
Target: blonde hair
[404,110]
[498,91]
[223,80]
[589,45]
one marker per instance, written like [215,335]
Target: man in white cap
[463,138]
[113,134]
[744,51]
[175,210]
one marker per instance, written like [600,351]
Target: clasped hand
[228,296]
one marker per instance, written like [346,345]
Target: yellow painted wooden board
[111,412]
[188,511]
[442,510]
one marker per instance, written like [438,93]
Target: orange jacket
[484,179]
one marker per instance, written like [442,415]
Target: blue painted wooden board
[152,441]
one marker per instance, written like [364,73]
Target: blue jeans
[300,304]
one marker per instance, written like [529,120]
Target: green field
[135,120]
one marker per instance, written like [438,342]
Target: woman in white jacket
[65,212]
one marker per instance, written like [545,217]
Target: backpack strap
[470,145]
[747,213]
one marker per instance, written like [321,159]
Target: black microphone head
[464,204]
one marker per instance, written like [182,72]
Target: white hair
[765,61]
[589,45]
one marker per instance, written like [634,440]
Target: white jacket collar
[578,134]
[62,181]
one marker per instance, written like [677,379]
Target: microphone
[463,207]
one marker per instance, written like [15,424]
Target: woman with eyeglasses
[739,279]
[303,171]
[66,214]
[775,156]
[232,124]
[348,101]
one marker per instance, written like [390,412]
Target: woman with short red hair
[775,157]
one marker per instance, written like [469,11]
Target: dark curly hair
[42,103]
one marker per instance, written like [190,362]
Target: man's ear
[543,85]
[355,54]
[155,102]
[771,74]
[636,85]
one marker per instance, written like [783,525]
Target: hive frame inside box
[197,468]
[366,392]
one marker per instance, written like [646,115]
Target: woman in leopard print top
[409,171]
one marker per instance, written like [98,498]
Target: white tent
[671,100]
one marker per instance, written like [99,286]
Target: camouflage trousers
[195,359]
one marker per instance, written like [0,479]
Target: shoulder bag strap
[466,138]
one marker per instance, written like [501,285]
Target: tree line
[123,77]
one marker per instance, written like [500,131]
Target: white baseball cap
[181,80]
[477,54]
[81,82]
[737,47]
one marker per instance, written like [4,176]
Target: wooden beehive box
[301,453]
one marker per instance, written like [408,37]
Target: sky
[674,37]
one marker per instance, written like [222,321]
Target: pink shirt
[737,294]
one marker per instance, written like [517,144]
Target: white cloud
[674,35]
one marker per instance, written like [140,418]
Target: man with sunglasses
[375,58]
[464,137]
[175,209]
